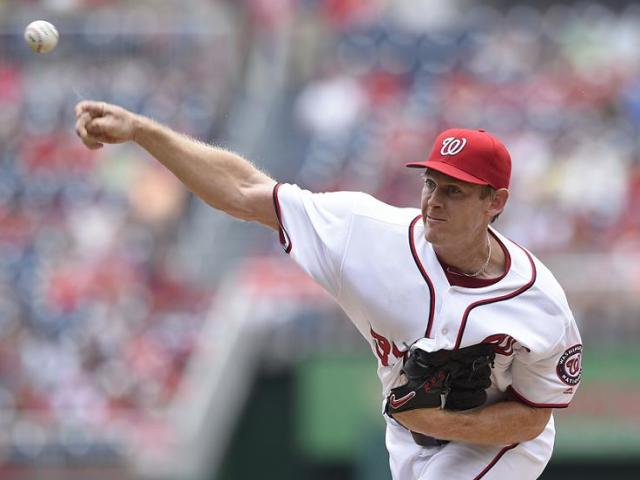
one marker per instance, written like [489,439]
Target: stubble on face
[452,210]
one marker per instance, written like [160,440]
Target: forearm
[221,178]
[498,424]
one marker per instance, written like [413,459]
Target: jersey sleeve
[549,380]
[314,230]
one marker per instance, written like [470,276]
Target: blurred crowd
[559,85]
[97,315]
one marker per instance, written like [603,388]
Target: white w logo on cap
[452,145]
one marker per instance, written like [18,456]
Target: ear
[498,202]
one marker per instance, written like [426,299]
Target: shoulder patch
[569,367]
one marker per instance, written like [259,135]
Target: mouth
[430,219]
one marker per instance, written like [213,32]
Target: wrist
[139,125]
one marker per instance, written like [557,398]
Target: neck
[474,257]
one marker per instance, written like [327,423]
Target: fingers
[81,128]
[93,109]
[81,131]
[95,127]
[99,123]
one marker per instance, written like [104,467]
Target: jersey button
[444,331]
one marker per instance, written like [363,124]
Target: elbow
[234,210]
[532,432]
[232,201]
[243,207]
[237,211]
[253,203]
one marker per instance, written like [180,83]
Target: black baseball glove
[450,379]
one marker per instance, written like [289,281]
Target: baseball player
[475,342]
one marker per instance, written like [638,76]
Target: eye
[452,189]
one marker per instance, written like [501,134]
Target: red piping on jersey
[495,460]
[432,292]
[522,399]
[285,240]
[487,301]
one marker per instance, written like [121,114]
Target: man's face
[452,210]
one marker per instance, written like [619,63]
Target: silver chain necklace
[482,269]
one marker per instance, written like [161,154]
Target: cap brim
[448,170]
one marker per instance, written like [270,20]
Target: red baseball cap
[473,156]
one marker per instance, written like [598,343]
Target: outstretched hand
[99,123]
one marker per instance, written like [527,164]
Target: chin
[431,236]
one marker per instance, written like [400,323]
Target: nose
[433,198]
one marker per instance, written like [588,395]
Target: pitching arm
[223,179]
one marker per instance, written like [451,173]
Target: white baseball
[41,36]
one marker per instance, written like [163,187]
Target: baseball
[41,36]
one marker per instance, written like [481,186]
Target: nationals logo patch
[569,367]
[452,146]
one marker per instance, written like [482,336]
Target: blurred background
[145,335]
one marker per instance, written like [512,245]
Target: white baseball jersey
[375,261]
